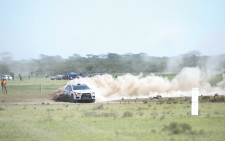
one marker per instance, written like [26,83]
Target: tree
[6,56]
[4,69]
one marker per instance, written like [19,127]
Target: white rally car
[79,93]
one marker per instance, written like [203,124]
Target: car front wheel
[72,99]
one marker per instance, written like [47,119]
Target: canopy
[71,74]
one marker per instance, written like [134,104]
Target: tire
[93,100]
[72,99]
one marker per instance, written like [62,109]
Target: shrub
[103,114]
[2,108]
[174,102]
[208,115]
[145,101]
[139,108]
[176,128]
[100,107]
[89,114]
[202,131]
[48,118]
[108,114]
[216,112]
[127,114]
[199,112]
[162,117]
[218,99]
[155,114]
[160,101]
[188,113]
[140,113]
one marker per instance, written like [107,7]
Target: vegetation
[24,116]
[108,63]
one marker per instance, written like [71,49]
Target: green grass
[130,120]
[60,122]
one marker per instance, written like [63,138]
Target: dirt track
[54,102]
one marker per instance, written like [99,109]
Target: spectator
[4,86]
[20,78]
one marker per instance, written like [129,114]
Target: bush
[155,114]
[162,117]
[174,102]
[100,107]
[145,101]
[176,128]
[218,99]
[216,112]
[160,101]
[140,113]
[88,114]
[127,114]
[2,108]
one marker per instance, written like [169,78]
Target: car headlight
[92,92]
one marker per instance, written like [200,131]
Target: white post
[194,101]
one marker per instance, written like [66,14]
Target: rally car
[79,93]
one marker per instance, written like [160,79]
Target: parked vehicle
[7,77]
[66,77]
[59,77]
[84,75]
[96,74]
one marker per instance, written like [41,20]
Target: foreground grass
[110,122]
[125,121]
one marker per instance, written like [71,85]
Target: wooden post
[41,88]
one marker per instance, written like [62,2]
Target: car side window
[67,88]
[70,88]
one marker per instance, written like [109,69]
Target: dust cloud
[130,86]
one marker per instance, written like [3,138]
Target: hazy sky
[29,28]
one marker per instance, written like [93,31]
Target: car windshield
[80,87]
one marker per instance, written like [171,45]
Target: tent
[71,74]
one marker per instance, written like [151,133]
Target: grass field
[119,120]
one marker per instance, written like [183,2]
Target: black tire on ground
[93,100]
[72,99]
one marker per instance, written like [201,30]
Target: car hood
[83,91]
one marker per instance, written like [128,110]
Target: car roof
[79,84]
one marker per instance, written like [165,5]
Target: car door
[70,90]
[66,90]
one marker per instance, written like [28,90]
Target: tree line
[108,63]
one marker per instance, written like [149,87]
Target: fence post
[41,88]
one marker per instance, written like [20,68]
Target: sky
[156,27]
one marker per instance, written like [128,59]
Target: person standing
[4,86]
[20,78]
[13,77]
[29,76]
